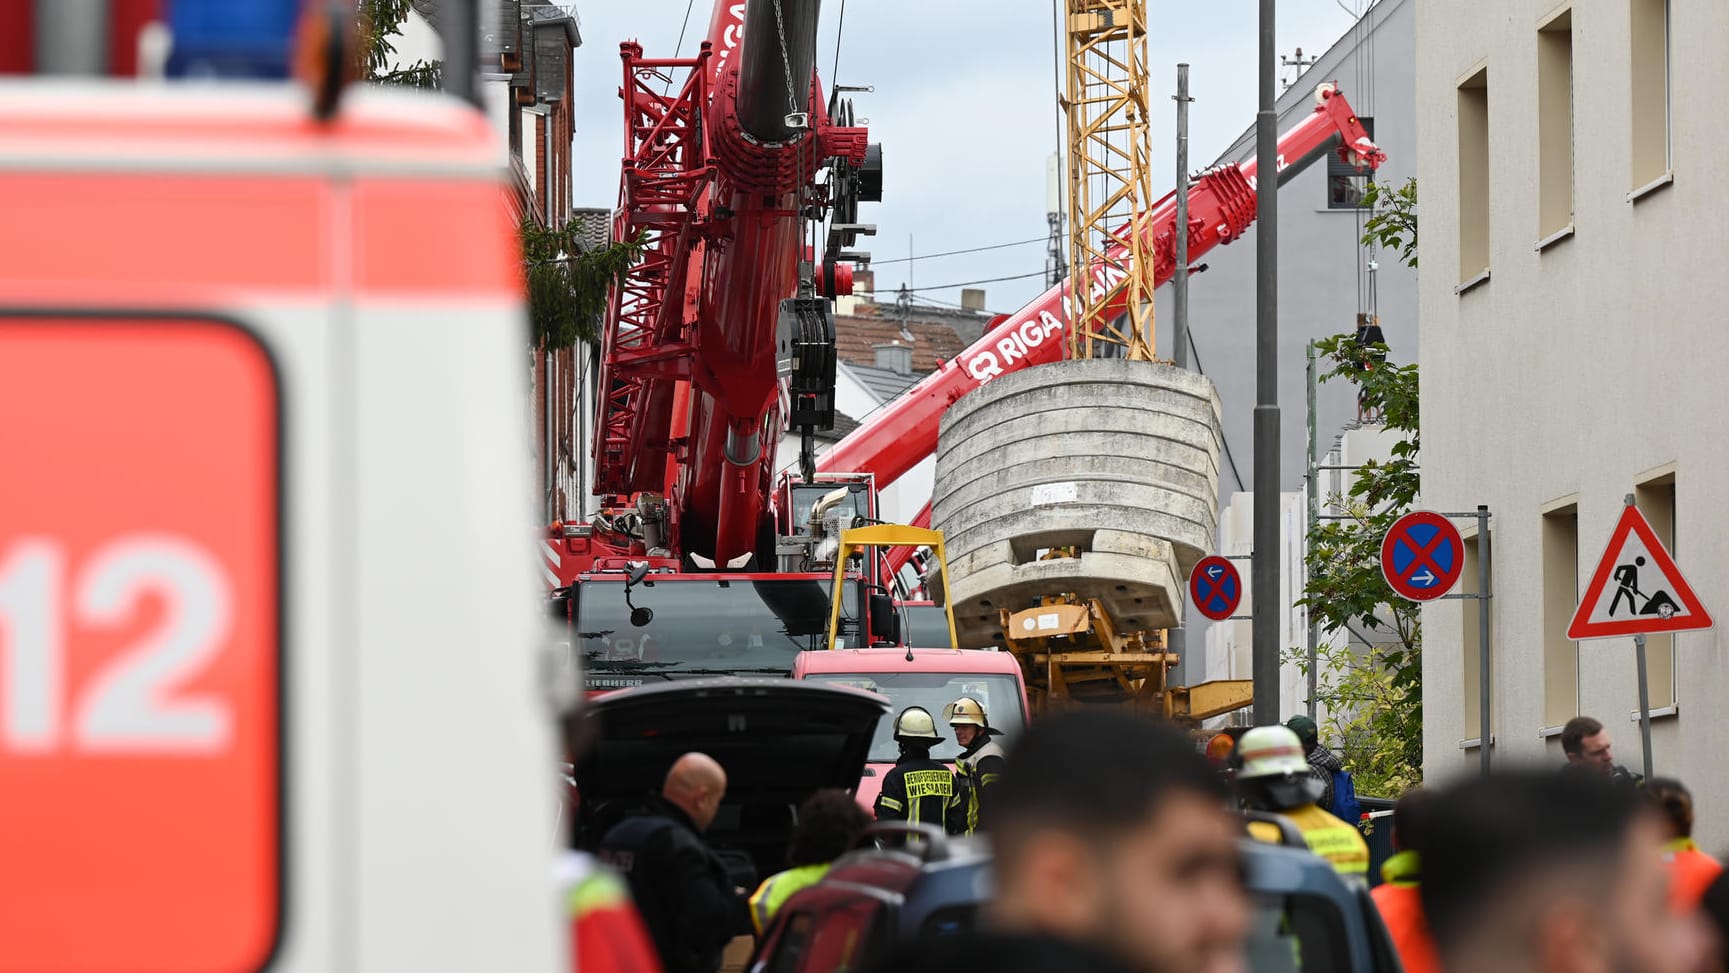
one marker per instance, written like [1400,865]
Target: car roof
[924,660]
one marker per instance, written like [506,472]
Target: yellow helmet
[965,711]
[915,723]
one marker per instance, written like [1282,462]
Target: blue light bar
[232,38]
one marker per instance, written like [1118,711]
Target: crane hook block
[806,347]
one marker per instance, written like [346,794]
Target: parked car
[780,740]
[893,890]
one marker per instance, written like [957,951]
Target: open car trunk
[780,740]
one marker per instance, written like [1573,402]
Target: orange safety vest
[1691,872]
[1402,912]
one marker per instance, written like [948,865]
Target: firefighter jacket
[1327,836]
[977,768]
[917,790]
[1401,911]
[680,886]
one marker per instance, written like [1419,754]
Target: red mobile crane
[1221,207]
[720,338]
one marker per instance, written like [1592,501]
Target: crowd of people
[1125,858]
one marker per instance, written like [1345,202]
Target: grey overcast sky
[965,110]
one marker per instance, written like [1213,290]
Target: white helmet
[1271,751]
[965,711]
[915,723]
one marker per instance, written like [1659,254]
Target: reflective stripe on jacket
[975,772]
[917,790]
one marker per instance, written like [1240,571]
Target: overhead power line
[951,253]
[969,283]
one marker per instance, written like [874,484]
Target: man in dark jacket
[687,901]
[918,789]
[1108,859]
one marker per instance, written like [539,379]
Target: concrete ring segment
[1118,459]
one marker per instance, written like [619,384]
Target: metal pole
[1178,637]
[1313,484]
[1485,598]
[71,36]
[1265,569]
[1644,703]
[1644,690]
[1180,276]
[462,49]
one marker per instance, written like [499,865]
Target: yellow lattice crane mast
[1110,185]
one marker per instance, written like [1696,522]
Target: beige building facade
[1573,301]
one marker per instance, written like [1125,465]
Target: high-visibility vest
[777,888]
[1691,872]
[1402,912]
[604,929]
[1326,836]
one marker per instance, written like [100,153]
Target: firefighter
[918,789]
[980,764]
[1275,777]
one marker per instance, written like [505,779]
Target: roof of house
[858,334]
[596,225]
[883,383]
[843,427]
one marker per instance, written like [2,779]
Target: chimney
[864,283]
[973,298]
[895,357]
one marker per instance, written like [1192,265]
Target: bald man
[689,904]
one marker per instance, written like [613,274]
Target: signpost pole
[1483,629]
[1644,703]
[1644,689]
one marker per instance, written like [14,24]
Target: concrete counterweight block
[1118,459]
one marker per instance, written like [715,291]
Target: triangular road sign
[1637,588]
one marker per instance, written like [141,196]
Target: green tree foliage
[1374,695]
[380,20]
[1394,223]
[568,285]
[567,281]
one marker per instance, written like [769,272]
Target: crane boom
[717,181]
[1221,207]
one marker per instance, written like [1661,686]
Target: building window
[1560,598]
[1555,124]
[1656,499]
[1652,160]
[1474,177]
[1471,658]
[1346,184]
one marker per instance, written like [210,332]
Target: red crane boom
[721,156]
[1221,207]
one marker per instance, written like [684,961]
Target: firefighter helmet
[1271,751]
[915,723]
[965,711]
